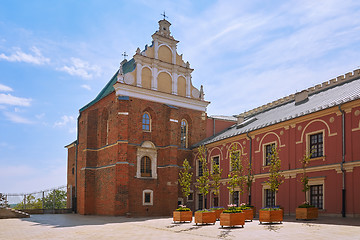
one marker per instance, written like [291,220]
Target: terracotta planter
[232,219]
[270,216]
[218,212]
[254,211]
[249,214]
[306,213]
[205,217]
[182,216]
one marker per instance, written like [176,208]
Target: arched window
[146,120]
[184,134]
[145,167]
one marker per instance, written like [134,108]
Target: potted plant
[273,214]
[248,211]
[231,217]
[204,216]
[218,211]
[305,210]
[183,214]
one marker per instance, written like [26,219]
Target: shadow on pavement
[72,220]
[350,221]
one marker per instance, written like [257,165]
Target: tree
[304,179]
[185,179]
[249,180]
[30,203]
[275,178]
[216,176]
[236,176]
[56,199]
[203,181]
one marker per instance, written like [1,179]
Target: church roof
[341,92]
[127,67]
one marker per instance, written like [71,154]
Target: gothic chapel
[135,134]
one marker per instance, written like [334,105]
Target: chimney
[301,97]
[240,118]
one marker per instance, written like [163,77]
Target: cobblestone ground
[73,226]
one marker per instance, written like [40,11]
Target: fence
[47,201]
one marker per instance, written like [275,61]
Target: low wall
[47,211]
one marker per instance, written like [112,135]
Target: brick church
[133,137]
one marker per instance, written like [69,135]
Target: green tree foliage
[216,176]
[304,178]
[185,178]
[249,177]
[237,178]
[203,181]
[275,178]
[60,199]
[30,203]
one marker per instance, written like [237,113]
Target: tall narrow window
[235,198]
[316,196]
[146,122]
[145,167]
[268,153]
[316,145]
[269,198]
[184,134]
[200,168]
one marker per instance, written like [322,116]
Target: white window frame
[316,181]
[308,150]
[265,186]
[212,158]
[151,197]
[264,151]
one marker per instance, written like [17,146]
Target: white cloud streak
[9,99]
[19,56]
[81,68]
[4,88]
[87,87]
[16,118]
[67,121]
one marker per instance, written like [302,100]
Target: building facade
[323,120]
[134,136]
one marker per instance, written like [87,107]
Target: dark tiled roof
[318,101]
[127,67]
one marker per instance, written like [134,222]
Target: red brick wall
[107,183]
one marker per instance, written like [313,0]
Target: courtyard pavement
[74,226]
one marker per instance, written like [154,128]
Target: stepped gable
[342,89]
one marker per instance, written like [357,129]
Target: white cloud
[9,99]
[19,56]
[87,87]
[67,121]
[4,88]
[16,118]
[81,68]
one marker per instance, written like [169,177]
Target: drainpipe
[76,156]
[250,155]
[343,209]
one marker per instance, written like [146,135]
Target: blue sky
[55,56]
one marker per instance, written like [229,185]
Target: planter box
[232,219]
[271,216]
[249,214]
[205,217]
[218,212]
[306,213]
[182,216]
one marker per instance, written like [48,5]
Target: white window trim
[230,195]
[181,200]
[147,149]
[197,163]
[212,158]
[264,151]
[186,132]
[264,187]
[317,181]
[230,168]
[307,135]
[151,197]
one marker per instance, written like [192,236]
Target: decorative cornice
[122,89]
